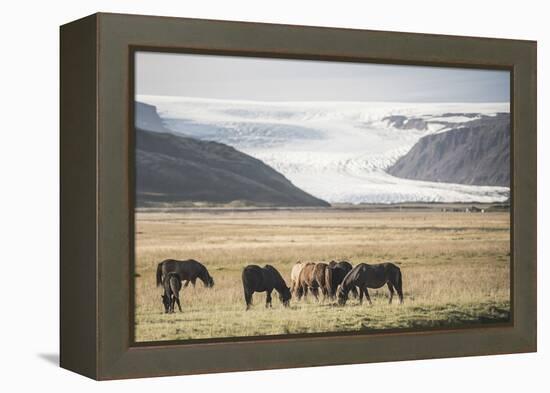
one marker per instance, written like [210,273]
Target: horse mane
[277,275]
[347,284]
[203,274]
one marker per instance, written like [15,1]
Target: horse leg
[268,299]
[298,292]
[367,295]
[186,284]
[172,301]
[301,291]
[354,292]
[178,302]
[360,295]
[247,299]
[390,287]
[315,292]
[194,281]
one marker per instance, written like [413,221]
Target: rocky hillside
[477,153]
[172,168]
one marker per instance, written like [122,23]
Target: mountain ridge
[336,151]
[476,153]
[173,168]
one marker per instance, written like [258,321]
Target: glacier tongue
[336,151]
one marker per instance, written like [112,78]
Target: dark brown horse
[264,279]
[364,276]
[314,277]
[188,271]
[339,271]
[171,295]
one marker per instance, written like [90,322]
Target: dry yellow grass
[455,269]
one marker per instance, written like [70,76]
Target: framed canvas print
[241,196]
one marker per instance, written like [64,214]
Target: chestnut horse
[314,277]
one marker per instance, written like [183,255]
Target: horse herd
[334,280]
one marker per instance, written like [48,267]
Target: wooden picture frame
[96,315]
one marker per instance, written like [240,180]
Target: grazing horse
[364,276]
[314,277]
[339,271]
[306,281]
[188,270]
[323,276]
[172,286]
[295,276]
[264,279]
[342,264]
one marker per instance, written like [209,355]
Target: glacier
[336,151]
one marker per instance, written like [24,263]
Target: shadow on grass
[446,316]
[329,305]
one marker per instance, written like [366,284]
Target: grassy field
[455,268]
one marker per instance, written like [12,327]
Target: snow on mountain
[337,151]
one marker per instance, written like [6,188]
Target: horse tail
[247,289]
[399,284]
[159,274]
[328,281]
[244,277]
[399,279]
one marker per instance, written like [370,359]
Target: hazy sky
[231,77]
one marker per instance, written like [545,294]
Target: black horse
[172,286]
[264,279]
[188,271]
[339,271]
[364,276]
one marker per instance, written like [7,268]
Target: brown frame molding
[97,207]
